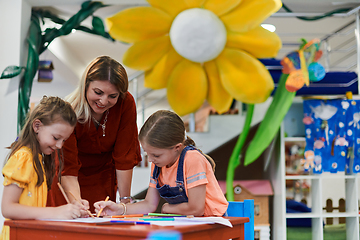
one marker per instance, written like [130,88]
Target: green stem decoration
[39,41]
[26,81]
[234,161]
[271,123]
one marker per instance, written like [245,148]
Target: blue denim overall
[174,195]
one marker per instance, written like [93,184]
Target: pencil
[81,204]
[98,215]
[63,193]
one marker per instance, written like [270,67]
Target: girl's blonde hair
[164,129]
[102,68]
[50,110]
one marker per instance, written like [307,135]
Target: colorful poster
[332,133]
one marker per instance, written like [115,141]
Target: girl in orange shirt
[181,174]
[29,169]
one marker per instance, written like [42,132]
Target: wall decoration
[45,71]
[200,50]
[333,135]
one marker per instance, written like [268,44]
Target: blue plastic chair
[244,209]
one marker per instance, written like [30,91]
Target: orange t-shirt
[197,171]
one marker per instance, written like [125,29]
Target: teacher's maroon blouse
[93,158]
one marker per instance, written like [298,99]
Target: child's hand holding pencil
[98,215]
[109,208]
[83,204]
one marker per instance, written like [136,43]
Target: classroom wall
[14,17]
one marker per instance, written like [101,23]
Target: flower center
[198,35]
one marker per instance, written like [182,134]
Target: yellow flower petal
[145,54]
[217,96]
[244,77]
[173,8]
[157,77]
[249,14]
[138,23]
[221,7]
[187,87]
[194,3]
[259,42]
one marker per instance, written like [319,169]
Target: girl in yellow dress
[29,169]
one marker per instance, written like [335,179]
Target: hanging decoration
[295,75]
[200,50]
[296,66]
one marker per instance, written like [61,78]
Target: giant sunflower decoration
[200,49]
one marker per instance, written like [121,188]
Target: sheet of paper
[179,223]
[219,220]
[81,220]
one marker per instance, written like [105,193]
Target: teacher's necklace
[103,126]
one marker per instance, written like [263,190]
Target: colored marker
[165,214]
[120,223]
[134,222]
[144,223]
[157,219]
[127,216]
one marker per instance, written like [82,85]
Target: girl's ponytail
[188,141]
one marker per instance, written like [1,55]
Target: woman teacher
[101,153]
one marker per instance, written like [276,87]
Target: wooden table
[36,229]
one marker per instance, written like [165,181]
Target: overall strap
[180,174]
[180,170]
[156,172]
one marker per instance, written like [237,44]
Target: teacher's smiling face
[101,95]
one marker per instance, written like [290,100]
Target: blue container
[161,235]
[243,209]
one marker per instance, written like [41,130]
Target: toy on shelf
[294,158]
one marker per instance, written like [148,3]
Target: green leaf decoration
[25,86]
[270,125]
[39,41]
[98,25]
[11,71]
[85,4]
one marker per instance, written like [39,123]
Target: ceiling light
[269,27]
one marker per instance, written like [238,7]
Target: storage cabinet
[323,189]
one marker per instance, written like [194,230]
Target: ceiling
[288,27]
[76,50]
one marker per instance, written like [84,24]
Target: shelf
[343,214]
[318,215]
[294,139]
[320,176]
[316,191]
[302,215]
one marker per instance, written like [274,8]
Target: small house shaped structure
[260,191]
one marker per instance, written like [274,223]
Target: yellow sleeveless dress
[19,170]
